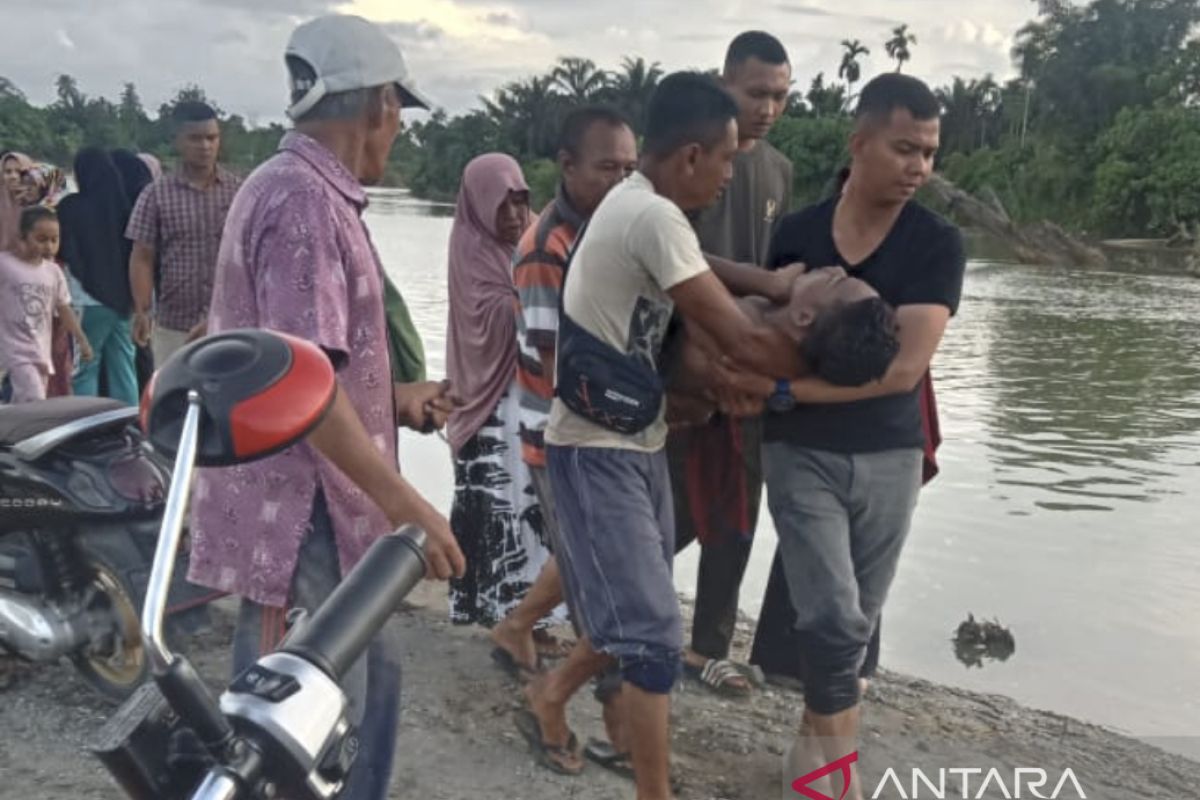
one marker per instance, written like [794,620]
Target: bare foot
[515,641]
[551,716]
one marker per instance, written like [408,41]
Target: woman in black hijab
[135,176]
[96,253]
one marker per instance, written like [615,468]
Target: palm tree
[897,46]
[579,78]
[969,109]
[9,89]
[525,111]
[69,97]
[850,70]
[825,100]
[632,86]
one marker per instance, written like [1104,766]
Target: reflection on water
[1070,406]
[1096,383]
[389,203]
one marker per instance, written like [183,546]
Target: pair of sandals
[569,760]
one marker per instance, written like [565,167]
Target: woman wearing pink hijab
[31,183]
[494,516]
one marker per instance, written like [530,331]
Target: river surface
[1067,503]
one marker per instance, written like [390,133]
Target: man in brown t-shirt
[739,227]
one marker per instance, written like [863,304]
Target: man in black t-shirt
[844,466]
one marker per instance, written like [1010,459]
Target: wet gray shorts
[616,548]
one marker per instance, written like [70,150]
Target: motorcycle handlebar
[337,634]
[216,786]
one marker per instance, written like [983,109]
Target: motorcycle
[81,497]
[281,728]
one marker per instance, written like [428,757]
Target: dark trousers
[722,564]
[777,645]
[842,520]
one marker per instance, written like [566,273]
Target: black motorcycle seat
[21,421]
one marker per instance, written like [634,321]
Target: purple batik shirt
[296,257]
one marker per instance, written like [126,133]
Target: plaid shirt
[183,224]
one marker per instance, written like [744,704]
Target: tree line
[1098,131]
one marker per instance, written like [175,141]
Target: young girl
[33,290]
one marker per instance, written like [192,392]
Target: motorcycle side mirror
[259,392]
[226,399]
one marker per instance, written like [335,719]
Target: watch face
[780,402]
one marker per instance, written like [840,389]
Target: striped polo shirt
[538,271]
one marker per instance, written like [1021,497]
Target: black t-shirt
[921,261]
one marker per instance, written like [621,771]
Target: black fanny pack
[599,382]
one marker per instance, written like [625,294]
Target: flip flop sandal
[550,756]
[721,677]
[515,669]
[603,754]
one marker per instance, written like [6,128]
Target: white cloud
[460,49]
[984,35]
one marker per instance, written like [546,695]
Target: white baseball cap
[347,53]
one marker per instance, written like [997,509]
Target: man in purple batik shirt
[296,257]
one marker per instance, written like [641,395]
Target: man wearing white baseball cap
[346,53]
[296,257]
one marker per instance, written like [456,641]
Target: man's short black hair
[853,344]
[32,215]
[892,90]
[192,111]
[581,120]
[755,44]
[687,107]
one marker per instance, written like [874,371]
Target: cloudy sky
[459,49]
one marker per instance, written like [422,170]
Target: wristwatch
[782,400]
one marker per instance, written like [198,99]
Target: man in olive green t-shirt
[739,227]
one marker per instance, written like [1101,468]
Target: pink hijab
[481,342]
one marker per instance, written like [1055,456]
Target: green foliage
[56,132]
[816,146]
[1087,62]
[1147,177]
[443,147]
[542,177]
[1033,183]
[521,118]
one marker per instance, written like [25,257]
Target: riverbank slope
[457,738]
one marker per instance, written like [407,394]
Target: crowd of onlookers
[130,244]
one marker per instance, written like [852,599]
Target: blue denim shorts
[616,549]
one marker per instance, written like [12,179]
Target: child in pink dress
[33,291]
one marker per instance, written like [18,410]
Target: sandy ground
[457,736]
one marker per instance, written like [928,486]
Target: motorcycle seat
[25,420]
